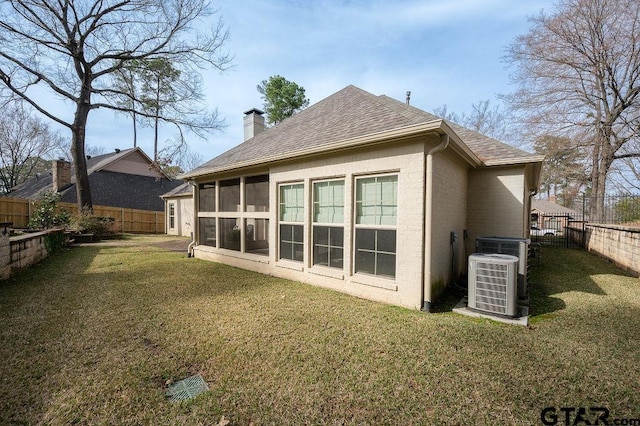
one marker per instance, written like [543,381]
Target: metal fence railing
[613,209]
[568,229]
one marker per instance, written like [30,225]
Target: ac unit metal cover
[513,246]
[493,283]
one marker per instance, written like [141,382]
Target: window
[376,215]
[207,227]
[230,195]
[207,197]
[256,190]
[328,223]
[376,251]
[172,216]
[230,233]
[257,236]
[291,242]
[291,205]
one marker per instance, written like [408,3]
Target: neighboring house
[362,194]
[546,214]
[123,178]
[178,210]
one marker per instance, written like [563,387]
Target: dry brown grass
[91,336]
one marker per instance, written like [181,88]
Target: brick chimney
[61,171]
[253,123]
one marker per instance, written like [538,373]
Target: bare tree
[563,173]
[26,142]
[484,118]
[578,75]
[74,48]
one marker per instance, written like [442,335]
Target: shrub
[86,223]
[45,213]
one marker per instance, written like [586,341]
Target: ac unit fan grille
[491,287]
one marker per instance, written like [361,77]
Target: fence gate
[558,230]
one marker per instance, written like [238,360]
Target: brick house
[362,194]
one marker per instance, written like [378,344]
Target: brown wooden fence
[14,210]
[17,210]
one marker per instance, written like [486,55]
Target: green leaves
[282,98]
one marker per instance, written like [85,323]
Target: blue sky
[444,51]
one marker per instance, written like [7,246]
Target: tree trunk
[135,130]
[78,133]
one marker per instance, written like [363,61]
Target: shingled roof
[31,188]
[344,119]
[546,206]
[108,188]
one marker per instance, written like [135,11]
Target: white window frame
[172,215]
[384,227]
[281,222]
[315,224]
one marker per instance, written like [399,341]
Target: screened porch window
[207,227]
[230,195]
[256,190]
[376,218]
[207,197]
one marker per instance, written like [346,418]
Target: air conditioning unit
[493,284]
[518,247]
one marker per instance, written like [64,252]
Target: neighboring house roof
[349,118]
[108,187]
[184,190]
[549,207]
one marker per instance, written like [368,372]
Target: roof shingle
[348,113]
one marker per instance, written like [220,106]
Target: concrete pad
[462,308]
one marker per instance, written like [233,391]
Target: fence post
[156,223]
[122,219]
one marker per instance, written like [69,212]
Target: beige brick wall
[24,250]
[497,203]
[449,215]
[485,202]
[620,244]
[407,160]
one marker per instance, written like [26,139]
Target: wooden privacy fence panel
[17,210]
[127,220]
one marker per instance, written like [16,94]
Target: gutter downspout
[428,209]
[195,220]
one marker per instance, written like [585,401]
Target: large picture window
[291,205]
[328,223]
[376,218]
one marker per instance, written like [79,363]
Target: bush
[86,223]
[46,214]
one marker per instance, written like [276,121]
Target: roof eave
[515,161]
[459,146]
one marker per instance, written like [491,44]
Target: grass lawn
[92,335]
